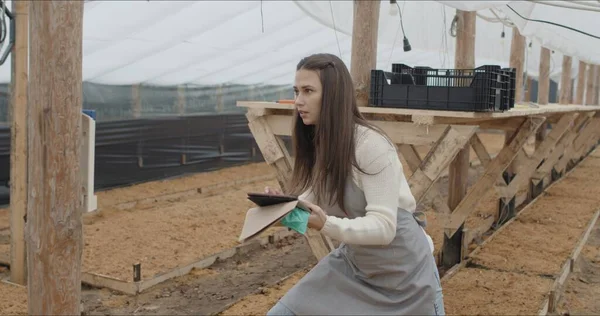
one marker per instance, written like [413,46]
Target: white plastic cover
[260,42]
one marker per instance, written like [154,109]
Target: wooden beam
[453,140]
[491,174]
[566,85]
[18,144]
[54,225]
[399,132]
[434,197]
[364,47]
[580,83]
[544,77]
[480,151]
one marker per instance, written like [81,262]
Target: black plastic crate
[484,89]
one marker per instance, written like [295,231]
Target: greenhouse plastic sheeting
[133,151]
[260,42]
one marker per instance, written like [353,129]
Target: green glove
[297,220]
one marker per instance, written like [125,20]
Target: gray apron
[396,279]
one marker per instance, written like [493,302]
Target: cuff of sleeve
[327,228]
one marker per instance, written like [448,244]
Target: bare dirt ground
[520,272]
[170,233]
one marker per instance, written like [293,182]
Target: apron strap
[421,218]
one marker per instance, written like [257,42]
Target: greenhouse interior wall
[146,133]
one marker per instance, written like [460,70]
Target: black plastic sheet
[140,150]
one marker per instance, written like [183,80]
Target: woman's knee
[280,310]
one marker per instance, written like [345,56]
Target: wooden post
[527,89]
[459,168]
[54,224]
[580,83]
[566,86]
[589,89]
[544,77]
[517,59]
[543,90]
[364,47]
[18,144]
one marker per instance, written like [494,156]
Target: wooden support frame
[468,257]
[448,133]
[491,174]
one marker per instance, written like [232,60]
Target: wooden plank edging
[549,304]
[133,288]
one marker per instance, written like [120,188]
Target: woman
[348,174]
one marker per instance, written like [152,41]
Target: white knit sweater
[385,188]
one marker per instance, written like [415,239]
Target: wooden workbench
[574,130]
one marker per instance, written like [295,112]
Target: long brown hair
[325,152]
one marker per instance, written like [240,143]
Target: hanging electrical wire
[552,23]
[4,31]
[335,30]
[575,5]
[3,27]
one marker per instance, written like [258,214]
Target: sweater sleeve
[385,188]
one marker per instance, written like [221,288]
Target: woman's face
[309,93]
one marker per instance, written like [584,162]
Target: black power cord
[406,43]
[552,23]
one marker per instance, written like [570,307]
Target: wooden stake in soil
[54,225]
[18,145]
[364,47]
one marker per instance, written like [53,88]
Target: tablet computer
[264,199]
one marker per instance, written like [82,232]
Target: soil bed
[162,238]
[13,299]
[486,292]
[541,239]
[183,183]
[582,290]
[172,233]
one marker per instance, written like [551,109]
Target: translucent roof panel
[260,42]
